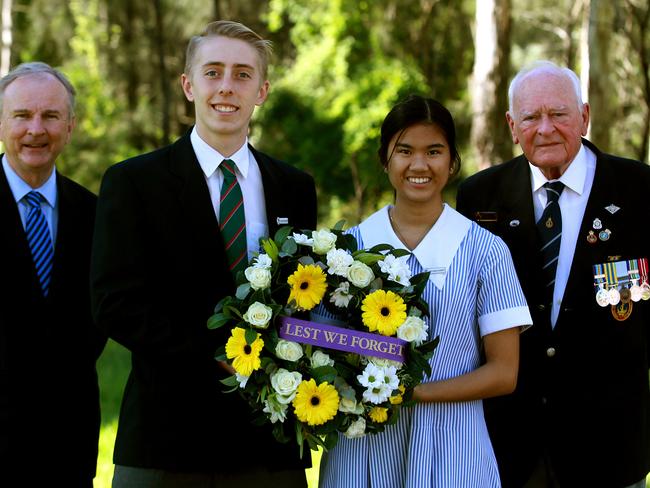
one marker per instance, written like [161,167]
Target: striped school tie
[550,231]
[232,221]
[39,239]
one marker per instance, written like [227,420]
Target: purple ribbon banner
[332,337]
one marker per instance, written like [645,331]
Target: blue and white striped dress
[472,291]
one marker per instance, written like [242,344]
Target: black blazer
[158,270]
[587,399]
[49,401]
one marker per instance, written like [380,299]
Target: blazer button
[541,307]
[550,352]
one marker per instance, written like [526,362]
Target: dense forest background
[338,68]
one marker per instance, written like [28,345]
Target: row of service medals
[619,284]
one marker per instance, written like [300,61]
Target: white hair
[544,67]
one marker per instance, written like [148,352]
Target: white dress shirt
[19,188]
[250,182]
[578,179]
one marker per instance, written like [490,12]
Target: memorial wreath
[325,338]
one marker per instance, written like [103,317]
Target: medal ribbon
[611,279]
[599,276]
[633,269]
[643,269]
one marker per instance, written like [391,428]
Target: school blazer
[583,389]
[158,270]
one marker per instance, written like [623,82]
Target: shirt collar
[574,177]
[210,159]
[20,188]
[436,250]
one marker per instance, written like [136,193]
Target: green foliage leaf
[324,373]
[251,335]
[289,247]
[282,233]
[217,320]
[243,290]
[339,225]
[230,381]
[367,258]
[271,249]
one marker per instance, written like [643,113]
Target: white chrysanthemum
[341,296]
[396,268]
[390,377]
[372,376]
[338,262]
[302,239]
[377,394]
[263,261]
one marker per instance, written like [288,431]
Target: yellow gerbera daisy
[378,415]
[315,404]
[308,286]
[246,356]
[383,311]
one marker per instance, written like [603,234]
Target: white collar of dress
[434,252]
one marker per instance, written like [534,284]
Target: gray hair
[38,68]
[232,30]
[544,67]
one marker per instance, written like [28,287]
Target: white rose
[341,296]
[287,350]
[319,358]
[277,410]
[263,261]
[285,383]
[259,278]
[357,429]
[324,241]
[360,275]
[258,315]
[338,262]
[414,329]
[302,239]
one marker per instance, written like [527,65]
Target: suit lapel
[194,199]
[272,187]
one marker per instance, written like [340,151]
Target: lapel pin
[611,208]
[597,225]
[603,235]
[282,220]
[591,237]
[514,223]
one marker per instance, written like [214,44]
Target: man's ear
[263,93]
[186,83]
[511,124]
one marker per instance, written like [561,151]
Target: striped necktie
[232,220]
[39,239]
[550,231]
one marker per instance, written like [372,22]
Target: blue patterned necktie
[232,220]
[39,239]
[550,231]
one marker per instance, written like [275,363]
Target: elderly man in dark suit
[575,220]
[49,402]
[173,227]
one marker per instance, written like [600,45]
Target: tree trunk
[5,56]
[490,136]
[601,13]
[165,98]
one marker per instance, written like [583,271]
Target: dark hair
[418,110]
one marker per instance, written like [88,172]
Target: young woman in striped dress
[476,306]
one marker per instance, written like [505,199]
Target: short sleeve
[501,303]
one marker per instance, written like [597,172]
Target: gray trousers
[131,477]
